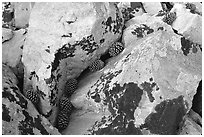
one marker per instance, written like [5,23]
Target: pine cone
[70,87]
[63,120]
[65,105]
[32,96]
[115,49]
[96,65]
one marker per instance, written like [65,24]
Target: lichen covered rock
[63,38]
[19,116]
[187,23]
[147,89]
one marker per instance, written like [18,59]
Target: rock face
[63,38]
[19,116]
[147,89]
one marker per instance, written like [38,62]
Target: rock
[190,126]
[187,24]
[152,7]
[63,38]
[22,13]
[13,49]
[146,89]
[19,116]
[7,34]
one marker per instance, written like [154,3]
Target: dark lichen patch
[187,46]
[47,50]
[33,74]
[39,126]
[88,44]
[142,31]
[5,113]
[168,116]
[122,102]
[192,8]
[148,87]
[160,28]
[9,94]
[69,35]
[26,126]
[112,25]
[22,101]
[96,98]
[66,51]
[102,41]
[7,15]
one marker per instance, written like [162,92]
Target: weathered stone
[152,7]
[63,38]
[191,126]
[187,24]
[7,34]
[147,89]
[12,50]
[19,116]
[22,14]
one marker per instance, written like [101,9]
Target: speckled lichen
[142,30]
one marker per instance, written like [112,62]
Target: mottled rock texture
[146,89]
[19,116]
[63,38]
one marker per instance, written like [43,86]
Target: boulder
[187,23]
[147,89]
[22,13]
[63,39]
[19,116]
[12,49]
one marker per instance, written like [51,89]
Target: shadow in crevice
[197,100]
